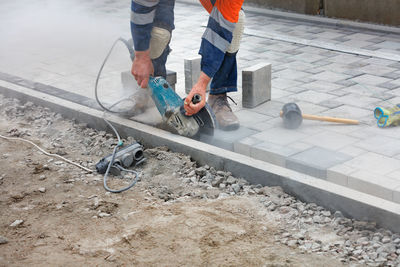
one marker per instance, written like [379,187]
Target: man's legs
[225,81]
[161,35]
[159,50]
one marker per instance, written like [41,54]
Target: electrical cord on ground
[120,143]
[47,153]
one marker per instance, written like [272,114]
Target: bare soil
[70,220]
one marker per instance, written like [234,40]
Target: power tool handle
[196,99]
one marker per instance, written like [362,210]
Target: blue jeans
[224,81]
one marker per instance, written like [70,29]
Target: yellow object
[387,116]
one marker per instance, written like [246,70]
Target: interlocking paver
[374,184]
[315,161]
[339,174]
[374,163]
[273,153]
[330,140]
[280,136]
[248,117]
[387,146]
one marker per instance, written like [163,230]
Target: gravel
[305,226]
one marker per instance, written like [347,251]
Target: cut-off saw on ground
[168,103]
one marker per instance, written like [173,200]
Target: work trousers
[224,81]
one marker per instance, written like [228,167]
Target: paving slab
[374,163]
[315,161]
[372,183]
[330,140]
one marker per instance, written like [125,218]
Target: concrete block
[248,118]
[273,153]
[192,72]
[396,195]
[226,139]
[280,136]
[339,174]
[330,140]
[374,163]
[244,146]
[383,145]
[315,161]
[373,184]
[256,85]
[370,79]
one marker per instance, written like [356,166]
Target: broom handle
[329,119]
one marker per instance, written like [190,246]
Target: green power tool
[387,116]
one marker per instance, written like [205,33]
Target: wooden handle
[329,119]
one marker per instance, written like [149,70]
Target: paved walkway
[325,69]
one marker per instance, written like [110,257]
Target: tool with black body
[293,117]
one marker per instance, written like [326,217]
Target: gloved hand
[191,108]
[142,68]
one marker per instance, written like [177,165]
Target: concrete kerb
[317,19]
[309,189]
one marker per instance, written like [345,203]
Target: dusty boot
[227,121]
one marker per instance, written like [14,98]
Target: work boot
[227,121]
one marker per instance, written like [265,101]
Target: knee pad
[237,33]
[159,40]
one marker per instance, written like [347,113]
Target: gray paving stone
[383,145]
[330,140]
[315,161]
[395,65]
[376,40]
[358,100]
[392,75]
[280,136]
[370,79]
[370,48]
[244,145]
[273,153]
[373,184]
[291,74]
[389,85]
[353,151]
[226,139]
[396,195]
[345,83]
[347,112]
[377,71]
[374,163]
[270,108]
[248,118]
[284,83]
[395,175]
[330,104]
[309,96]
[353,72]
[339,174]
[322,86]
[256,84]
